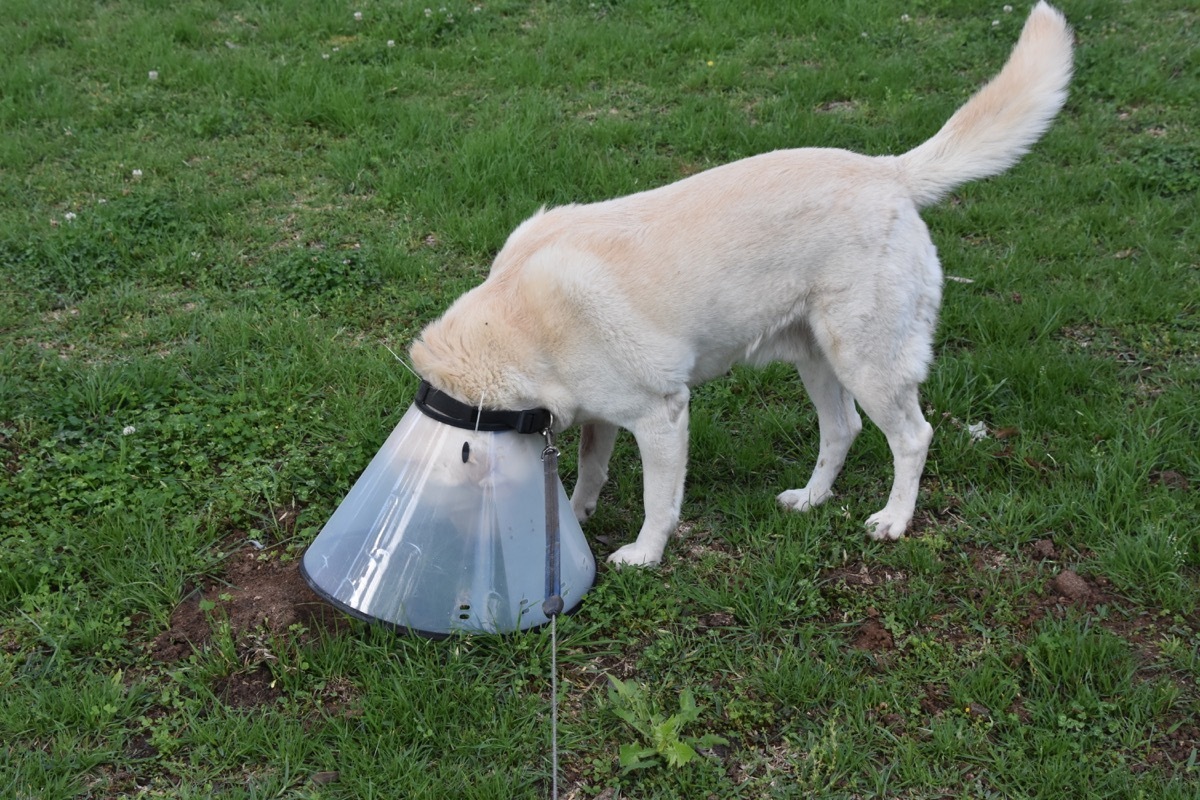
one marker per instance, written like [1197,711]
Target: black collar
[444,408]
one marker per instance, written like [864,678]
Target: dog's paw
[583,512]
[631,555]
[883,527]
[801,499]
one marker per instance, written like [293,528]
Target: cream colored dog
[606,313]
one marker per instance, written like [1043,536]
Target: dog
[607,313]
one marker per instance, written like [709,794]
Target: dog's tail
[1002,120]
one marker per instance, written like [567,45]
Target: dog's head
[507,343]
[481,353]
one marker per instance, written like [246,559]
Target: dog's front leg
[596,440]
[662,438]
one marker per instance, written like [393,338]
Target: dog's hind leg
[596,440]
[839,425]
[882,365]
[662,438]
[897,412]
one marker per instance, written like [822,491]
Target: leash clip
[548,432]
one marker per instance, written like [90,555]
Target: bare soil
[260,595]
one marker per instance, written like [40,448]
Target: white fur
[607,313]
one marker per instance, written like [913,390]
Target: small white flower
[69,216]
[1008,9]
[429,12]
[864,34]
[325,56]
[137,173]
[391,42]
[195,255]
[905,18]
[153,75]
[358,16]
[102,201]
[995,23]
[127,430]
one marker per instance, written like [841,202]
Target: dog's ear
[433,355]
[420,356]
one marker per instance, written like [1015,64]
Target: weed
[661,737]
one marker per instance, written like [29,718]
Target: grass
[201,273]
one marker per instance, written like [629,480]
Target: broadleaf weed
[662,737]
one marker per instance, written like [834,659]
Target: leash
[553,604]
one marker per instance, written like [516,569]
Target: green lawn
[217,217]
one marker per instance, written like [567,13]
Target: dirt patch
[1173,747]
[837,107]
[1043,550]
[946,514]
[1070,590]
[859,575]
[259,594]
[873,637]
[247,689]
[1170,479]
[1069,587]
[717,619]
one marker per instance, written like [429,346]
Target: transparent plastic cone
[445,531]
